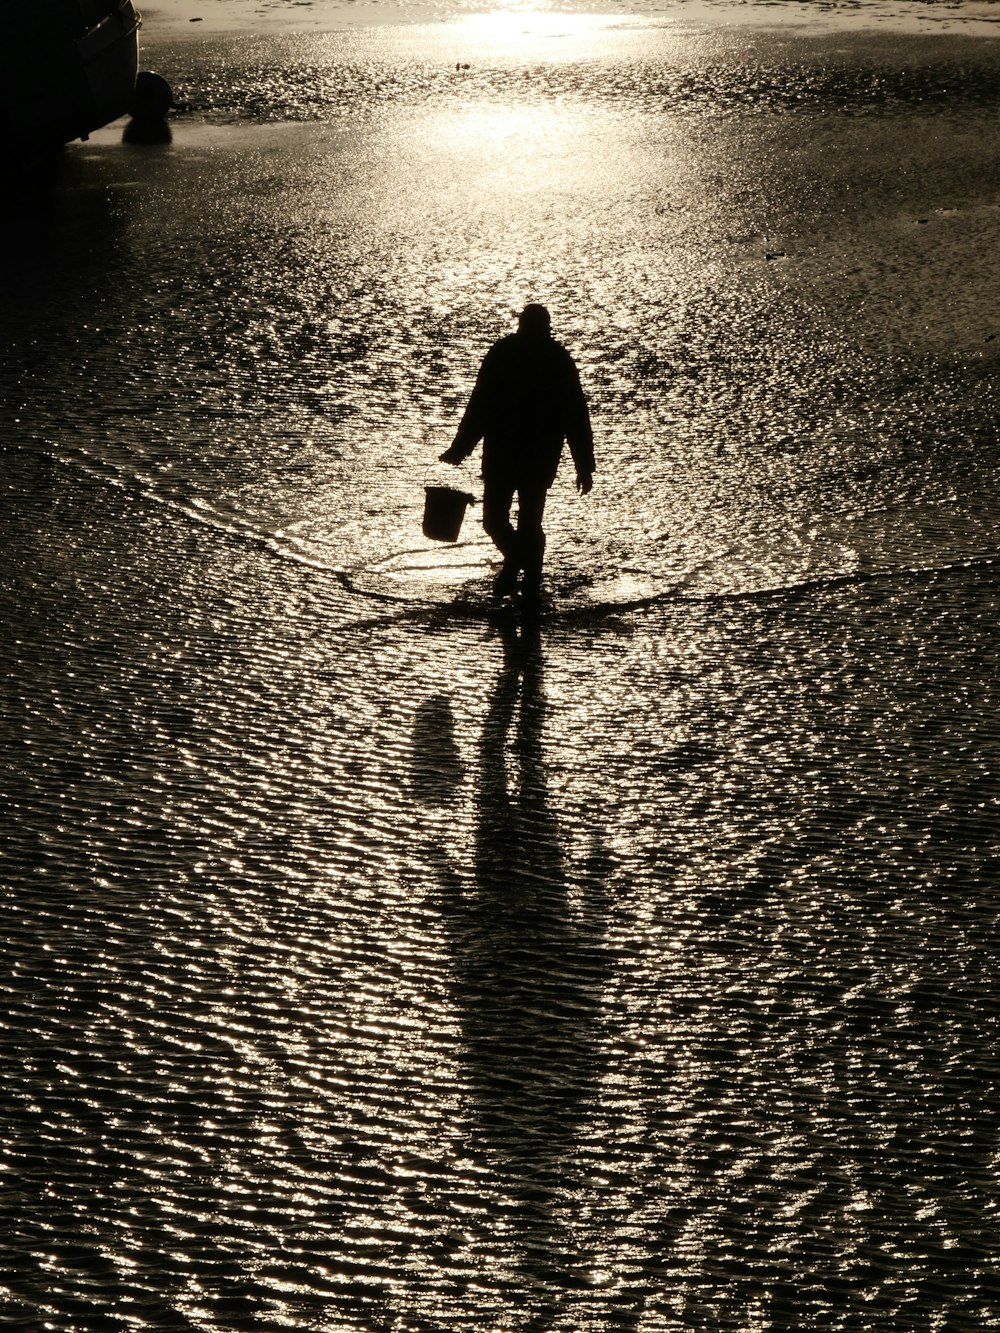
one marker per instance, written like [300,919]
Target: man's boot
[506,581]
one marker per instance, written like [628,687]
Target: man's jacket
[527,400]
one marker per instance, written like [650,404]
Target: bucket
[444,510]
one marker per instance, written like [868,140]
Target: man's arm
[579,432]
[472,427]
[466,437]
[455,454]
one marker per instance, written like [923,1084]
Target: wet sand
[173,18]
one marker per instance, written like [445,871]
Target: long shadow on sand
[529,964]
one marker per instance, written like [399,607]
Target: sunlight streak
[529,29]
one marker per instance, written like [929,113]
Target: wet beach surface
[374,961]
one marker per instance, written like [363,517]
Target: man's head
[535,321]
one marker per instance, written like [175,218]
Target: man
[527,400]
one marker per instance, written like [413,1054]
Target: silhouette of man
[526,402]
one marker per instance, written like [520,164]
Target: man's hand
[452,455]
[584,483]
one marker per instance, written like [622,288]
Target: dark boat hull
[67,67]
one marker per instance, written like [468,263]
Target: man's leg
[530,509]
[497,500]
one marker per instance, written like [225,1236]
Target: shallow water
[375,963]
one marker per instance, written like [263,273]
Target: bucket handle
[437,485]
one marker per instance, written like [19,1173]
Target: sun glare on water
[529,29]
